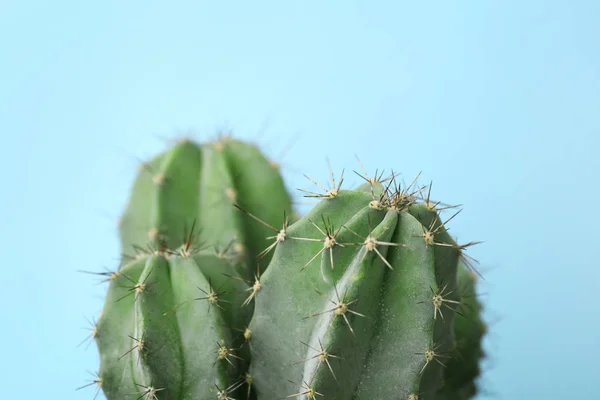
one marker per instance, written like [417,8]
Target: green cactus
[359,300]
[365,297]
[176,312]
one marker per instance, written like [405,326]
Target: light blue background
[496,101]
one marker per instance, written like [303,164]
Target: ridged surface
[183,241]
[196,184]
[157,331]
[381,339]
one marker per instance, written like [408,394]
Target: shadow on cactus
[365,297]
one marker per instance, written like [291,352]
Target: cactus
[365,297]
[359,300]
[176,311]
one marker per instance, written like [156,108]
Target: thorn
[149,392]
[329,193]
[224,353]
[223,394]
[468,260]
[341,307]
[108,274]
[255,286]
[370,244]
[305,390]
[281,234]
[329,241]
[431,355]
[323,356]
[97,381]
[138,288]
[441,300]
[139,345]
[94,330]
[188,248]
[434,205]
[430,232]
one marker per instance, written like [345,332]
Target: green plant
[363,293]
[174,308]
[365,297]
